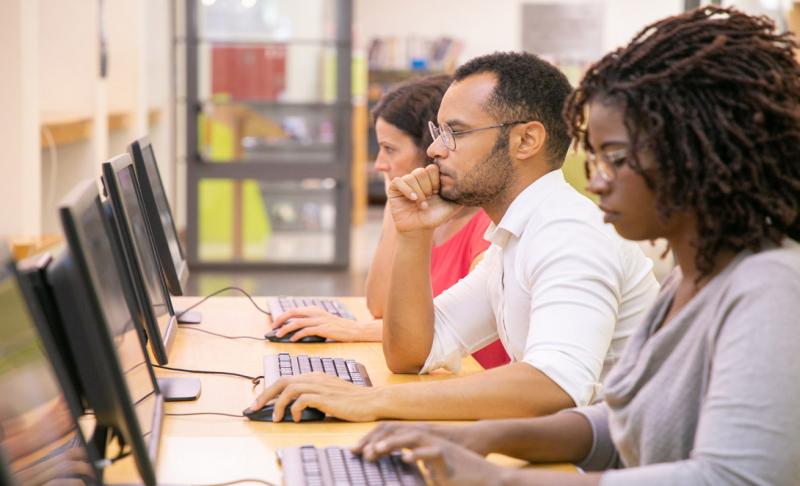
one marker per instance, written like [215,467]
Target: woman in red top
[401,125]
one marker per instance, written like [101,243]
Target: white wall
[19,120]
[67,57]
[486,26]
[49,53]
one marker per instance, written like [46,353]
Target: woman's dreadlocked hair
[715,95]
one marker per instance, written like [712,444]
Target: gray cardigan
[713,397]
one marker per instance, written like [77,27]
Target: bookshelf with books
[268,132]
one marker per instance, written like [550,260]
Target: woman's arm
[381,268]
[561,437]
[449,452]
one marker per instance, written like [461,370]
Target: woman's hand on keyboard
[313,321]
[447,462]
[330,394]
[472,436]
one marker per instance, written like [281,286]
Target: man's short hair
[528,88]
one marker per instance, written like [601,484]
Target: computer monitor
[5,470]
[40,440]
[114,371]
[151,307]
[154,307]
[154,197]
[32,273]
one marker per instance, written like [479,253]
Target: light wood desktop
[206,449]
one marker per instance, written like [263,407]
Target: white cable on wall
[51,184]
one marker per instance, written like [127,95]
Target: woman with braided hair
[401,125]
[692,133]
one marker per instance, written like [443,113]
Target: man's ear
[527,140]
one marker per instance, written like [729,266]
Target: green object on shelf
[257,227]
[216,219]
[216,204]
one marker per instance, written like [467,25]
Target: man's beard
[486,181]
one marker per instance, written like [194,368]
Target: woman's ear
[527,140]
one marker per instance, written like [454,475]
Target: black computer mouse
[287,338]
[265,414]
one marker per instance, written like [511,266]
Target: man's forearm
[514,390]
[408,317]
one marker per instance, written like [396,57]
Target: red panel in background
[248,73]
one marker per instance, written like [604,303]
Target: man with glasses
[561,290]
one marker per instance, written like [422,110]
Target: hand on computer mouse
[328,394]
[266,414]
[286,337]
[313,321]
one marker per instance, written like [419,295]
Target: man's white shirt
[559,288]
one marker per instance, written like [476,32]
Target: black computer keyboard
[284,364]
[313,466]
[279,305]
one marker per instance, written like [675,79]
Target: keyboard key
[328,367]
[345,468]
[304,363]
[333,306]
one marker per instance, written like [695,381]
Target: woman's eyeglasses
[604,164]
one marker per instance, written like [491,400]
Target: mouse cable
[104,463]
[237,481]
[204,413]
[212,294]
[195,328]
[254,379]
[123,451]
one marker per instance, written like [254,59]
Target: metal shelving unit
[268,174]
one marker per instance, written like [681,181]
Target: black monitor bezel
[57,357]
[32,274]
[100,370]
[175,273]
[160,344]
[5,470]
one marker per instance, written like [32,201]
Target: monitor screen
[143,244]
[39,436]
[96,249]
[162,204]
[134,235]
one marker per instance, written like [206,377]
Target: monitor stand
[188,317]
[179,389]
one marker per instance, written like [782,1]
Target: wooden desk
[212,449]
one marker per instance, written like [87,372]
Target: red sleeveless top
[450,262]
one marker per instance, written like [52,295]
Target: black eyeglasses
[449,136]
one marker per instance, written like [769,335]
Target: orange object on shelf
[23,247]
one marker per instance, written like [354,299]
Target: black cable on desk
[204,413]
[237,481]
[195,328]
[184,311]
[254,379]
